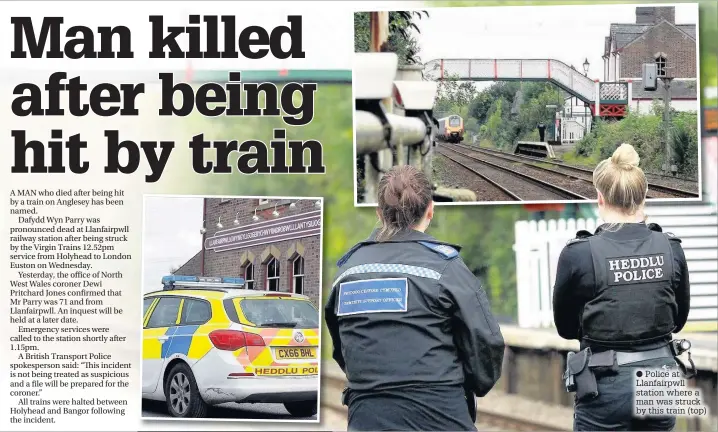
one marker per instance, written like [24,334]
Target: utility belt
[583,367]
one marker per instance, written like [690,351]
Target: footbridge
[605,99]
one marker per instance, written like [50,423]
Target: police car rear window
[275,313]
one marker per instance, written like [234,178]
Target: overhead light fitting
[275,213]
[236,219]
[293,205]
[318,203]
[255,217]
[203,229]
[219,223]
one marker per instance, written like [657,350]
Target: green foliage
[400,40]
[646,133]
[491,109]
[453,97]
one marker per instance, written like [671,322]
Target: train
[451,129]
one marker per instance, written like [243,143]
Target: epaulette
[672,236]
[447,252]
[655,227]
[348,255]
[581,236]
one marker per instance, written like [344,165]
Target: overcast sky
[567,33]
[171,236]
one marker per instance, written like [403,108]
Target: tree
[400,40]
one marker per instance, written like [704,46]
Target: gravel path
[653,179]
[526,190]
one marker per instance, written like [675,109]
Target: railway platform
[530,394]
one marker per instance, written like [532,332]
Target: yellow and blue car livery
[206,342]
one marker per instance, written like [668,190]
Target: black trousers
[433,408]
[612,410]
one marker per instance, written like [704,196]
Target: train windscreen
[454,121]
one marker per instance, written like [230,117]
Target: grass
[487,143]
[544,165]
[573,158]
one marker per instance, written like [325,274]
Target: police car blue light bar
[172,281]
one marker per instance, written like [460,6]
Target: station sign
[286,228]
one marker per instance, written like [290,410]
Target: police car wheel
[182,394]
[302,408]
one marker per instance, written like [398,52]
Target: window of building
[263,201]
[273,275]
[298,275]
[661,65]
[249,276]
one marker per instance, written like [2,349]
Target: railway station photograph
[231,291]
[521,104]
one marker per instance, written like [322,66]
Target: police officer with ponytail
[411,326]
[622,292]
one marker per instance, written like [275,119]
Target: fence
[394,123]
[539,244]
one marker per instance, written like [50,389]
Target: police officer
[411,326]
[623,290]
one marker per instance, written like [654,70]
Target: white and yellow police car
[207,341]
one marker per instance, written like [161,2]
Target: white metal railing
[538,246]
[513,69]
[393,119]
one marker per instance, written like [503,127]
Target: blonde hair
[621,182]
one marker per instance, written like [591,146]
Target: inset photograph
[231,291]
[507,105]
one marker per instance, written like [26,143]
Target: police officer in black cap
[411,326]
[622,292]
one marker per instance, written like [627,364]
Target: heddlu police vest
[634,299]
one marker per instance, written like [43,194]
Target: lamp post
[669,167]
[586,64]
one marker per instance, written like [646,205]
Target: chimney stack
[654,15]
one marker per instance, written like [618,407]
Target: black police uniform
[625,290]
[413,331]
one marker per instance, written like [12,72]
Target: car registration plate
[296,353]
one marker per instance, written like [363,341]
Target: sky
[567,33]
[171,236]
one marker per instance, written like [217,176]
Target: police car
[207,341]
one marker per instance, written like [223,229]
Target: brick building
[274,244]
[655,37]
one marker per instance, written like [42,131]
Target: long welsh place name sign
[286,228]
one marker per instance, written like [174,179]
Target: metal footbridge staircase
[605,99]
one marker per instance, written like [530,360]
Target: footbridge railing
[555,71]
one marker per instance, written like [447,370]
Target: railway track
[510,195]
[488,418]
[531,188]
[654,190]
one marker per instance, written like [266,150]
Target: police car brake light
[232,340]
[277,295]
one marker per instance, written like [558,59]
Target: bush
[647,135]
